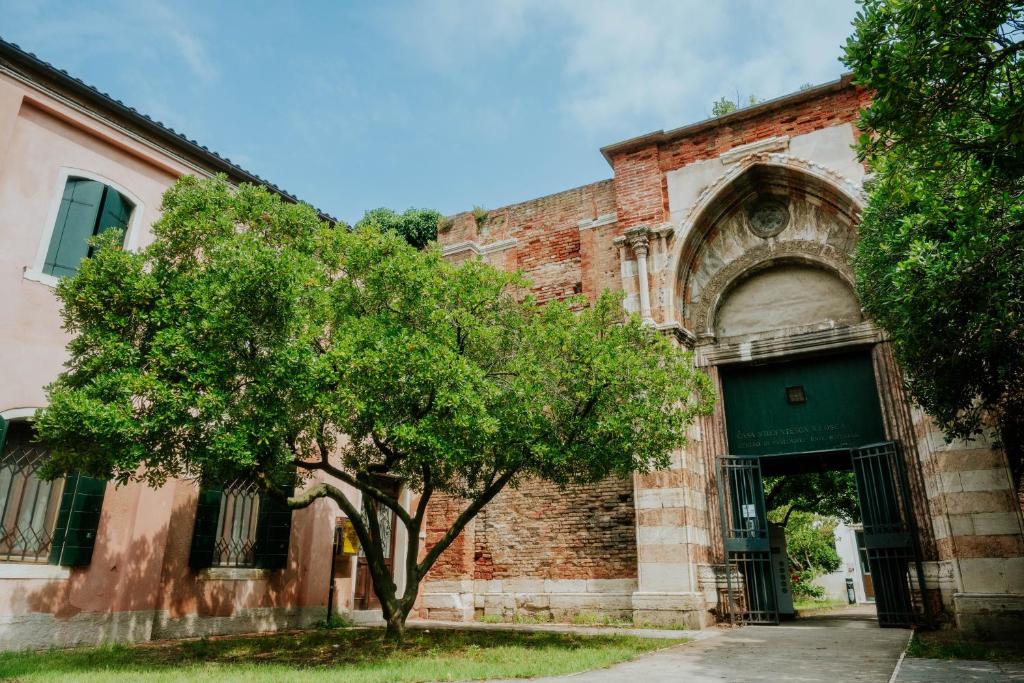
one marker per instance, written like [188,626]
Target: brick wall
[540,531]
[548,249]
[640,186]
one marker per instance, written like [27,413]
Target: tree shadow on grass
[310,650]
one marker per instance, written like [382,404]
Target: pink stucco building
[84,561]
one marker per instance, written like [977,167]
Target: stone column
[639,241]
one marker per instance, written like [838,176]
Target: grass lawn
[350,655]
[952,645]
[811,604]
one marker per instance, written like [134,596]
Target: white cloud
[652,63]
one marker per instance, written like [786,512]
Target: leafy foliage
[723,105]
[252,339]
[939,262]
[811,546]
[417,226]
[833,494]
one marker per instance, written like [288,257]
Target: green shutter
[273,530]
[115,212]
[204,534]
[74,535]
[3,434]
[76,223]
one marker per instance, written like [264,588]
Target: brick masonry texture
[589,532]
[541,531]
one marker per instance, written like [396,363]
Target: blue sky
[442,104]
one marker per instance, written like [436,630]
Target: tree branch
[456,528]
[367,488]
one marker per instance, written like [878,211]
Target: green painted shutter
[115,212]
[74,535]
[273,531]
[204,534]
[76,223]
[3,434]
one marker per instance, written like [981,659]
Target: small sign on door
[750,511]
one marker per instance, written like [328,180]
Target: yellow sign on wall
[349,538]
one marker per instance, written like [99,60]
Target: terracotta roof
[35,69]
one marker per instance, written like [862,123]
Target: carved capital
[639,239]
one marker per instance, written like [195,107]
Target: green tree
[940,262]
[811,547]
[723,105]
[833,494]
[251,339]
[417,226]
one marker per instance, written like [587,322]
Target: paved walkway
[958,671]
[830,648]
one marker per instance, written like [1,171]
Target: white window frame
[133,233]
[23,570]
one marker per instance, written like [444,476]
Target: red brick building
[734,235]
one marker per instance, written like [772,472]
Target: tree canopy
[940,262]
[833,494]
[253,340]
[417,226]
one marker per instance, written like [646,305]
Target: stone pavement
[832,648]
[958,671]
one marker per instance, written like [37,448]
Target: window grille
[386,521]
[237,524]
[30,504]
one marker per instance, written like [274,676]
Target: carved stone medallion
[768,217]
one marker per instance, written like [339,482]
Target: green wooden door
[802,406]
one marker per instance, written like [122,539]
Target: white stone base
[679,610]
[40,630]
[556,599]
[997,616]
[253,620]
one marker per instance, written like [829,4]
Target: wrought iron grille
[890,535]
[385,520]
[755,596]
[236,525]
[30,504]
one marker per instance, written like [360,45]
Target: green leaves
[250,336]
[939,262]
[418,227]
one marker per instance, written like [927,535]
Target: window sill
[40,277]
[233,574]
[29,570]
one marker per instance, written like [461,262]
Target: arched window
[30,504]
[43,521]
[87,208]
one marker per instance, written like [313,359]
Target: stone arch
[784,293]
[718,246]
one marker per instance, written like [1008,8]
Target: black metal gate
[890,535]
[749,577]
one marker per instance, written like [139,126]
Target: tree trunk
[395,629]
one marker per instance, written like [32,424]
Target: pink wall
[140,562]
